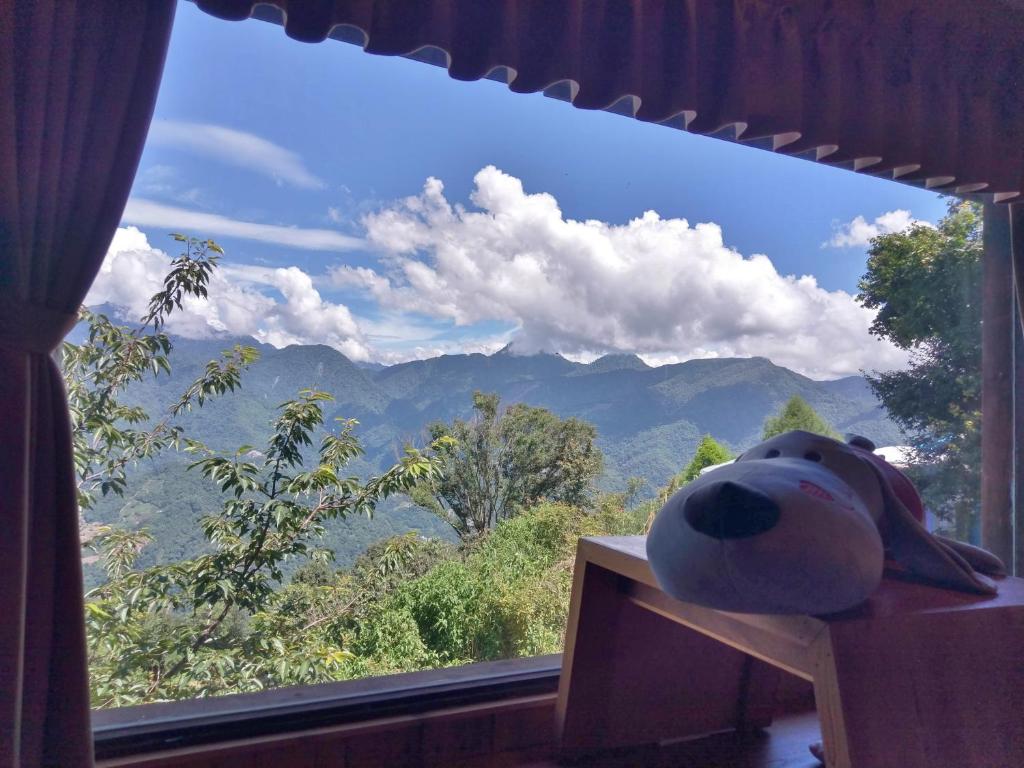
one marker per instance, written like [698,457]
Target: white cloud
[152,214]
[659,287]
[859,232]
[165,181]
[238,304]
[424,351]
[238,148]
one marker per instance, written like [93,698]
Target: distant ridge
[624,397]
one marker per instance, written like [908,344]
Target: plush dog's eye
[771,454]
[812,456]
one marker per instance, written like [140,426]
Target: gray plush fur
[799,524]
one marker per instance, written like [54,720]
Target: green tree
[709,453]
[108,435]
[501,461]
[214,623]
[797,413]
[180,630]
[925,284]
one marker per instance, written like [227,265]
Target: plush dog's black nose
[730,510]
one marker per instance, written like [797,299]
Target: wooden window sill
[129,731]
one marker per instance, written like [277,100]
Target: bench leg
[923,690]
[632,677]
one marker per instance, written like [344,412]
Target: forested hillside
[649,422]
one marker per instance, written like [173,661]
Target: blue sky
[297,159]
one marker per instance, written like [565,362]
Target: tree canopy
[501,461]
[177,630]
[108,435]
[926,285]
[797,413]
[709,453]
[181,629]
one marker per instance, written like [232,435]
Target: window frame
[136,730]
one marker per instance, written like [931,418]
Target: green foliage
[407,604]
[168,501]
[498,463]
[164,632]
[926,285]
[315,573]
[388,564]
[646,421]
[109,436]
[210,623]
[506,596]
[709,453]
[797,413]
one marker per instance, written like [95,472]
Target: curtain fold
[78,82]
[918,90]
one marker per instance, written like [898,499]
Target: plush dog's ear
[911,545]
[979,559]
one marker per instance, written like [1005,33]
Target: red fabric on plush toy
[903,488]
[900,483]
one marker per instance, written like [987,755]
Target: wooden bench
[917,677]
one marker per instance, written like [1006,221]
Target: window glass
[412,337]
[926,285]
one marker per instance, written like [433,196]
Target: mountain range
[649,420]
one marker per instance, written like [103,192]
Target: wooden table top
[897,595]
[790,641]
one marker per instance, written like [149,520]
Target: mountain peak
[618,361]
[510,350]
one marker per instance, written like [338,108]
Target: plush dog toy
[803,524]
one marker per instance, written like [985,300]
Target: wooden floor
[784,745]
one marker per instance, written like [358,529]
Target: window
[543,321]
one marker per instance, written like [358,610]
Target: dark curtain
[78,81]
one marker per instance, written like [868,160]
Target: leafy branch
[108,435]
[273,510]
